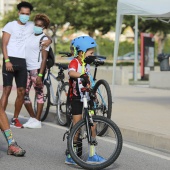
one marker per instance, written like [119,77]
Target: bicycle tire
[68,112]
[103,109]
[115,145]
[46,106]
[61,106]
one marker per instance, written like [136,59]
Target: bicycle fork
[88,119]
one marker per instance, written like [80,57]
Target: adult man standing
[14,38]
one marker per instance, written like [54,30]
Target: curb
[146,138]
[149,139]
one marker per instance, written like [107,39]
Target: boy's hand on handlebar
[85,79]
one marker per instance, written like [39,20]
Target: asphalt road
[45,151]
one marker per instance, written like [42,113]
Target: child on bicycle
[78,70]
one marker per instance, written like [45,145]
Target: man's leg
[19,101]
[13,148]
[5,94]
[21,81]
[18,105]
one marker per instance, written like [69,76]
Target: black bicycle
[102,104]
[79,138]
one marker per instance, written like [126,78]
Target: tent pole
[119,20]
[136,49]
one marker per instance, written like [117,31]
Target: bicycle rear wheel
[46,106]
[103,102]
[109,145]
[61,106]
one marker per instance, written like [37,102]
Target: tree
[151,26]
[91,14]
[88,15]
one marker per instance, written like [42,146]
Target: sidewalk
[142,113]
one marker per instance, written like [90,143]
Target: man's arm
[5,39]
[46,43]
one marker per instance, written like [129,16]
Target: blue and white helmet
[83,43]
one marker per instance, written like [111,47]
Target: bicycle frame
[93,82]
[87,117]
[54,101]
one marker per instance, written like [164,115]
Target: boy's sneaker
[69,160]
[15,150]
[16,123]
[30,120]
[96,159]
[35,124]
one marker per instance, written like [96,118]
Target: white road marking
[108,140]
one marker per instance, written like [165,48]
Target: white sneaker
[34,124]
[30,120]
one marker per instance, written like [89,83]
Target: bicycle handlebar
[66,54]
[98,57]
[98,62]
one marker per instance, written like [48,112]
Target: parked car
[128,56]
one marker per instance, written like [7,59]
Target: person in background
[36,58]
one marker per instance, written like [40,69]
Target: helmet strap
[75,51]
[83,63]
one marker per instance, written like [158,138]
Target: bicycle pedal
[94,142]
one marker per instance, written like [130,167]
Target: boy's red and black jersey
[75,83]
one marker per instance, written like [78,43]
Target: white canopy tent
[144,8]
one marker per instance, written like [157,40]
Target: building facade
[7,5]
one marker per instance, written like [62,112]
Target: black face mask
[89,59]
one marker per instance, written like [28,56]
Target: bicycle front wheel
[61,106]
[46,106]
[108,146]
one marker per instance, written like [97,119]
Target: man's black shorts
[20,73]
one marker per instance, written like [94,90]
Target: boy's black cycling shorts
[77,107]
[20,73]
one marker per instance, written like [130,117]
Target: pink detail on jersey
[74,88]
